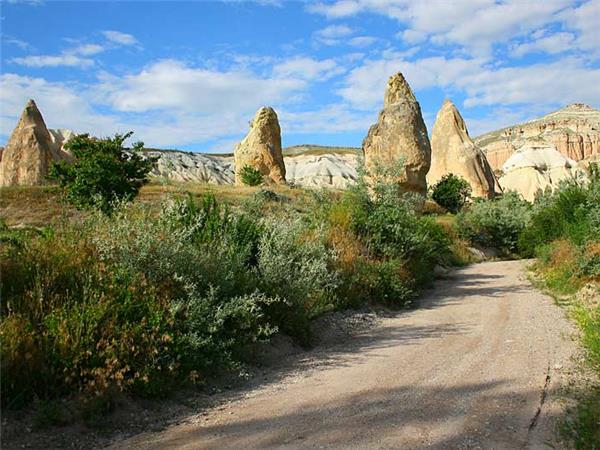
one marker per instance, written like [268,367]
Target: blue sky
[190,75]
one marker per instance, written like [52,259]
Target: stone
[453,151]
[399,138]
[333,170]
[573,130]
[537,167]
[261,148]
[28,152]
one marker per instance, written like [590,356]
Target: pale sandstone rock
[537,167]
[193,167]
[28,152]
[453,151]
[261,148]
[399,136]
[574,131]
[333,170]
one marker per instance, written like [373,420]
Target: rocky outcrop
[323,167]
[533,168]
[453,151]
[574,131]
[261,148]
[28,152]
[192,167]
[399,138]
[333,170]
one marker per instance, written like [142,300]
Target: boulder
[453,151]
[397,146]
[28,152]
[261,148]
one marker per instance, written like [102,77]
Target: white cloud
[333,34]
[544,85]
[551,44]
[16,42]
[72,57]
[584,20]
[87,49]
[476,25]
[118,37]
[335,118]
[170,84]
[305,68]
[53,61]
[362,41]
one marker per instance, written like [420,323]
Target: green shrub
[495,223]
[293,264]
[251,176]
[103,171]
[451,192]
[392,229]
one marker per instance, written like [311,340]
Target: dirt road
[476,365]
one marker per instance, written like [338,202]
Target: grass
[39,206]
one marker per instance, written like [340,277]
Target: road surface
[478,364]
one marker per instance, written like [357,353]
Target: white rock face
[332,170]
[60,136]
[193,167]
[573,130]
[536,167]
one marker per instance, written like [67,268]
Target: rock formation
[453,151]
[193,167]
[28,152]
[333,170]
[574,131]
[536,167]
[312,166]
[399,137]
[261,148]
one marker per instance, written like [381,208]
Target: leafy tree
[103,171]
[451,192]
[251,176]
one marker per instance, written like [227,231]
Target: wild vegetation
[451,192]
[162,293]
[102,171]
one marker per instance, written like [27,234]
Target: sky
[191,75]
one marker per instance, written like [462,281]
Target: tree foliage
[451,192]
[103,171]
[251,176]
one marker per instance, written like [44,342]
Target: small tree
[451,192]
[103,171]
[251,176]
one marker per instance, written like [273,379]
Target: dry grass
[33,206]
[39,206]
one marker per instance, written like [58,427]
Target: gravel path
[477,365]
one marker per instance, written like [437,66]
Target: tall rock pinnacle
[399,141]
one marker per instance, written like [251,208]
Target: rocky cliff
[574,131]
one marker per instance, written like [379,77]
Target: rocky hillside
[573,130]
[306,165]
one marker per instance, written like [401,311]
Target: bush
[103,171]
[251,176]
[495,223]
[451,192]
